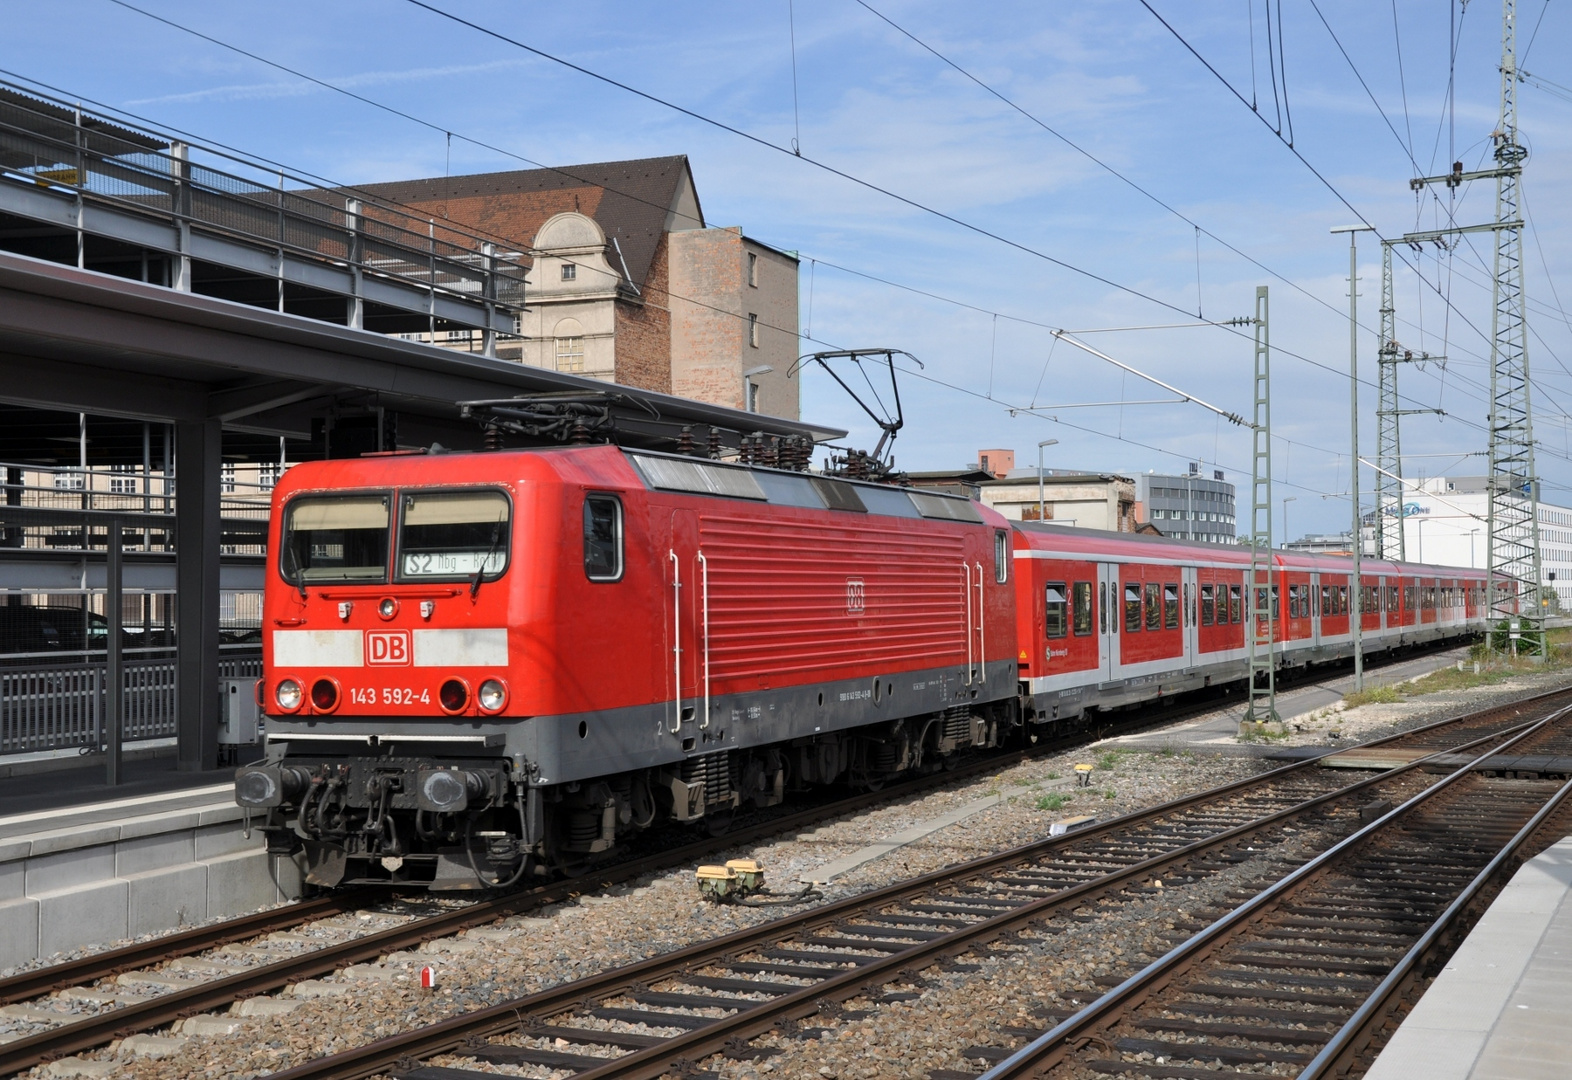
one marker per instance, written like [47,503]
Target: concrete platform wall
[91,884]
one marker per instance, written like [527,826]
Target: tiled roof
[630,201]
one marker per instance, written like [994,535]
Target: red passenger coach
[1106,620]
[481,665]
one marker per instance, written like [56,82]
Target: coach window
[1277,610]
[1154,606]
[453,534]
[1053,610]
[1001,557]
[1102,609]
[339,538]
[1235,603]
[1170,607]
[1208,604]
[602,538]
[1132,607]
[1081,608]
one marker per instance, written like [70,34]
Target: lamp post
[1041,499]
[750,396]
[1286,500]
[1471,534]
[1353,232]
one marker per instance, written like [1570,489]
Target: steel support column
[1262,706]
[197,466]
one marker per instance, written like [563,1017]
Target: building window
[753,269]
[753,396]
[122,479]
[570,354]
[70,481]
[226,479]
[570,272]
[753,330]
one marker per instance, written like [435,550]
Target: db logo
[855,599]
[389,648]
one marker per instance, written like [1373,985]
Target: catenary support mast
[1259,599]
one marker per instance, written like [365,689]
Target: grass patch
[1109,760]
[1262,733]
[1023,781]
[1053,776]
[1110,794]
[1055,801]
[1373,695]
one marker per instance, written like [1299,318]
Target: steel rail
[36,983]
[40,981]
[455,1033]
[101,1028]
[168,1007]
[1335,1055]
[1050,1049]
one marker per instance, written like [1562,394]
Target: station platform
[83,864]
[1502,1007]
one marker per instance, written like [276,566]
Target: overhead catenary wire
[760,141]
[480,143]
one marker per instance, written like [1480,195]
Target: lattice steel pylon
[1259,597]
[1514,484]
[1389,450]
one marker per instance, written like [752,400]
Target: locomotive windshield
[336,538]
[453,534]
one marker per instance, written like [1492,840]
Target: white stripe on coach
[461,648]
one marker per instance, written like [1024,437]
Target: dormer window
[570,272]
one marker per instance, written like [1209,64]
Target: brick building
[627,283]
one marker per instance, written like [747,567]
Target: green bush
[1055,801]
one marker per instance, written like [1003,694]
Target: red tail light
[453,696]
[324,695]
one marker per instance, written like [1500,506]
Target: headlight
[324,695]
[388,607]
[453,695]
[493,695]
[288,695]
[448,790]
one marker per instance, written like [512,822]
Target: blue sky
[872,103]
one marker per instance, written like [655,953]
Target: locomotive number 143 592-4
[388,695]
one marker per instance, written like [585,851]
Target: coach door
[685,645]
[1189,616]
[1108,615]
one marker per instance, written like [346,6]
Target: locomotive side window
[1154,609]
[1053,611]
[1001,557]
[1082,607]
[338,538]
[453,534]
[1171,607]
[602,538]
[1208,605]
[1132,607]
[1235,603]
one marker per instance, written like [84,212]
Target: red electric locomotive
[481,665]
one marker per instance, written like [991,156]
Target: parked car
[37,628]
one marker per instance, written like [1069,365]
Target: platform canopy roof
[79,341]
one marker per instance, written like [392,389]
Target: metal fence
[59,703]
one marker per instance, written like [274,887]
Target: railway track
[187,986]
[1304,978]
[665,1014]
